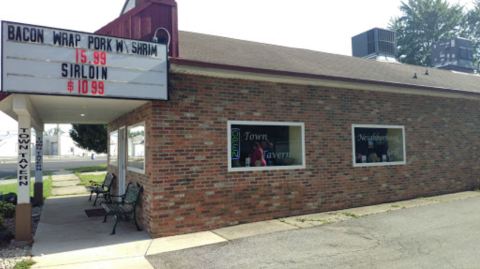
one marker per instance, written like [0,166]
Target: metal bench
[126,207]
[103,190]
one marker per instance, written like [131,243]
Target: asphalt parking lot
[445,235]
[8,168]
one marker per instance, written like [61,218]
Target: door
[122,162]
[54,149]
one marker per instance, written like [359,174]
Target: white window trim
[404,162]
[109,157]
[135,169]
[264,168]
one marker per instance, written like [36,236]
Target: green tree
[90,137]
[471,30]
[423,23]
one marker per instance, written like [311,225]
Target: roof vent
[143,20]
[130,4]
[455,55]
[378,44]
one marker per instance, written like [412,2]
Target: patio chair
[103,190]
[126,207]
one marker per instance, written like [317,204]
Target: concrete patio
[66,236]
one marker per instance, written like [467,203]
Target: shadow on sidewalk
[64,227]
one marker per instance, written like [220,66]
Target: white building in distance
[56,142]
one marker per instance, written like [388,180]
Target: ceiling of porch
[67,109]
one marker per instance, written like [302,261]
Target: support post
[38,187]
[23,213]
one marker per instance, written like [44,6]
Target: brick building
[254,131]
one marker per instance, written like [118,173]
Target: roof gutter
[256,70]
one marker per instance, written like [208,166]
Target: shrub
[5,235]
[7,210]
[10,197]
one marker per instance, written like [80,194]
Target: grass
[85,179]
[47,187]
[322,221]
[86,169]
[25,264]
[47,181]
[349,214]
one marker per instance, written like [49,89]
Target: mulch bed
[12,252]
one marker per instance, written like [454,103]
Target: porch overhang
[66,109]
[33,111]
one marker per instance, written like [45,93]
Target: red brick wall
[142,114]
[190,188]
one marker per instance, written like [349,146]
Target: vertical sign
[38,157]
[23,165]
[235,144]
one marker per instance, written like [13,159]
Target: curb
[222,235]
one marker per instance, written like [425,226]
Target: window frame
[135,169]
[109,149]
[402,127]
[264,168]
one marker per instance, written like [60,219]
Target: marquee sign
[42,60]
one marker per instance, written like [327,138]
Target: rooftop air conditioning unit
[455,54]
[378,44]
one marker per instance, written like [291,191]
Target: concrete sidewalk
[66,183]
[66,238]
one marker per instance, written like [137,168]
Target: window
[465,53]
[265,145]
[376,145]
[129,5]
[113,148]
[136,148]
